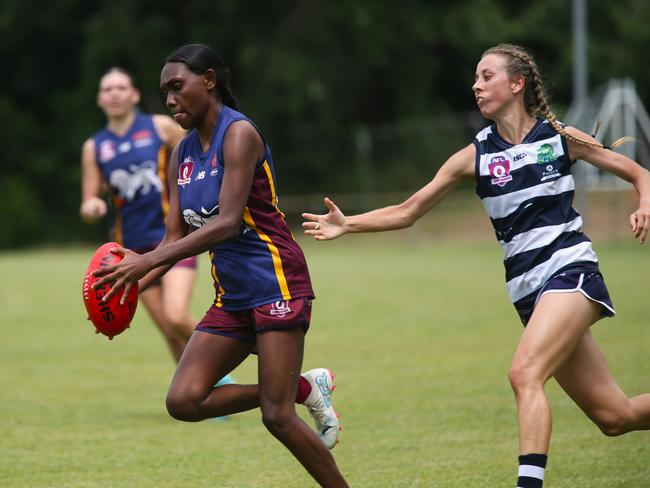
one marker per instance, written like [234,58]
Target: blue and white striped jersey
[527,190]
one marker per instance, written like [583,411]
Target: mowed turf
[420,336]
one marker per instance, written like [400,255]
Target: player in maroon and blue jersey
[129,157]
[223,200]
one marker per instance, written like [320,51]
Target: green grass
[420,336]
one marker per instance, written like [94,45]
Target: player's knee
[179,320]
[180,407]
[614,423]
[523,377]
[277,418]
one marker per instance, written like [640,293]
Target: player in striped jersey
[129,158]
[521,166]
[223,200]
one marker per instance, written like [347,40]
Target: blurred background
[359,100]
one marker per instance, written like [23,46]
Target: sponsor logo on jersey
[518,157]
[124,147]
[545,154]
[142,138]
[106,151]
[185,171]
[280,309]
[550,173]
[200,176]
[209,212]
[142,134]
[499,168]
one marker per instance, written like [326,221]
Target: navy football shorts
[590,283]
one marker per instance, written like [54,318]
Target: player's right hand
[93,209]
[325,227]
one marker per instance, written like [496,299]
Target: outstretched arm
[623,167]
[175,227]
[334,224]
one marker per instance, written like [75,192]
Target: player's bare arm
[175,227]
[624,168]
[242,148]
[334,224]
[93,207]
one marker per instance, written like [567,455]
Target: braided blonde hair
[520,63]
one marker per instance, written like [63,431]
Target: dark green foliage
[313,75]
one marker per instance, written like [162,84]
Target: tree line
[315,76]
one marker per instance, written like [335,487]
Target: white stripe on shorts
[531,471]
[578,289]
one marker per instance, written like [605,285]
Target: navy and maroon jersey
[134,165]
[263,263]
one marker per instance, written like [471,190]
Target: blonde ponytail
[520,62]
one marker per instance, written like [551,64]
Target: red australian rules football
[110,318]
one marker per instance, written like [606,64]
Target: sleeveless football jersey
[263,263]
[134,166]
[527,191]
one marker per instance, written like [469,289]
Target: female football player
[223,200]
[521,165]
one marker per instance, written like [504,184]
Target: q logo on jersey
[106,151]
[185,172]
[499,171]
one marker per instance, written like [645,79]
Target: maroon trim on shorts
[186,263]
[246,324]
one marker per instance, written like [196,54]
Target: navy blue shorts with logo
[588,282]
[245,324]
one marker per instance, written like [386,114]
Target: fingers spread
[103,271]
[127,287]
[330,204]
[309,216]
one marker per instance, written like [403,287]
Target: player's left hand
[325,227]
[127,272]
[640,222]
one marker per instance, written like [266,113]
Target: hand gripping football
[110,318]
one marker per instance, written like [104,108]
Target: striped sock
[531,470]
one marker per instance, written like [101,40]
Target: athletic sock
[531,470]
[304,389]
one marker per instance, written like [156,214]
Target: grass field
[419,334]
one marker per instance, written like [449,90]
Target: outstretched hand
[325,227]
[639,223]
[127,272]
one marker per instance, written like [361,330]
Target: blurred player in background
[223,200]
[129,157]
[521,166]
